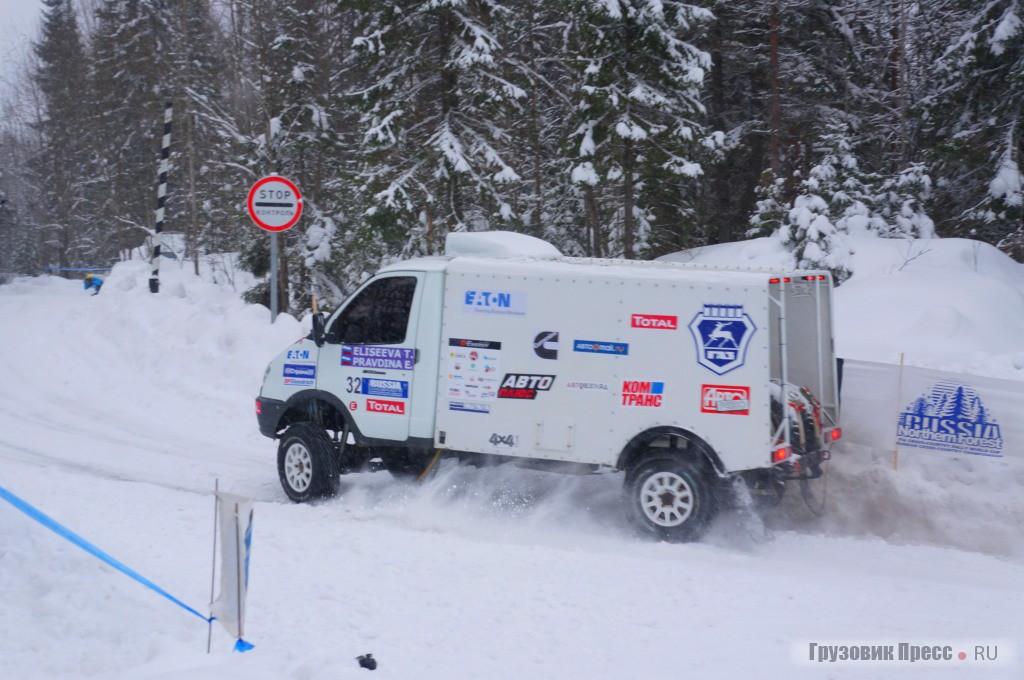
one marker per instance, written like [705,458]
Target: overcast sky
[19,20]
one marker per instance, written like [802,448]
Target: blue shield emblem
[722,334]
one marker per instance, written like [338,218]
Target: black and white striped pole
[161,197]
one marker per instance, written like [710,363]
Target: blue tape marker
[85,545]
[243,646]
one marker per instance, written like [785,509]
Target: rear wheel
[670,498]
[307,463]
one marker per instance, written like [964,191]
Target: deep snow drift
[118,412]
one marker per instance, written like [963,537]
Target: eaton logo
[950,417]
[495,302]
[722,334]
[298,354]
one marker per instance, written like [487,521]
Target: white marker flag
[234,514]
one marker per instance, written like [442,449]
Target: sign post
[275,205]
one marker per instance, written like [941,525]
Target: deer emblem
[721,334]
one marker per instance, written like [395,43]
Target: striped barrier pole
[161,196]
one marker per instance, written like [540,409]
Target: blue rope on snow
[85,545]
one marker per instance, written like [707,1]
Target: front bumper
[268,415]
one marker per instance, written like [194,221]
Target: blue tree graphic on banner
[950,417]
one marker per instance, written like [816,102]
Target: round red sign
[274,203]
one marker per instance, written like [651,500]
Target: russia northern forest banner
[931,412]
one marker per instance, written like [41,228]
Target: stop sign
[274,203]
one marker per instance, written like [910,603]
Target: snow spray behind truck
[686,378]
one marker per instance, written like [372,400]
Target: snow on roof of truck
[513,253]
[498,244]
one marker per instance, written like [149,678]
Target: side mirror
[318,329]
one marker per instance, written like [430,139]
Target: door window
[379,315]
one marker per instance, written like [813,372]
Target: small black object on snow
[367,661]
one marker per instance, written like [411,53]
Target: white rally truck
[689,379]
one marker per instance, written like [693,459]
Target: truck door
[368,358]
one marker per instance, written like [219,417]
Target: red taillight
[780,454]
[784,279]
[836,434]
[259,407]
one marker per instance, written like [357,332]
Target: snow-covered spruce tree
[901,201]
[771,207]
[1000,209]
[127,99]
[781,71]
[435,122]
[306,137]
[61,165]
[195,73]
[638,117]
[829,201]
[290,83]
[1005,202]
[837,199]
[545,202]
[972,123]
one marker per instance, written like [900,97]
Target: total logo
[638,393]
[524,385]
[385,406]
[731,399]
[656,321]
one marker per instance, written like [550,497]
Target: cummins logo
[524,385]
[545,345]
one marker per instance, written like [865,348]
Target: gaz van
[687,379]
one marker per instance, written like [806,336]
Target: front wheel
[307,463]
[670,498]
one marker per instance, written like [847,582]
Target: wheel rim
[667,499]
[298,467]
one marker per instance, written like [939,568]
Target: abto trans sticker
[950,417]
[722,334]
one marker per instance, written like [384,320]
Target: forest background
[612,128]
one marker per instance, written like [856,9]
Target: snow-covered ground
[118,412]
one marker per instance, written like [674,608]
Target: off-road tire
[670,498]
[307,463]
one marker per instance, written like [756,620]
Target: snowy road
[118,412]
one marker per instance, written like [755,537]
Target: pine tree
[128,98]
[972,123]
[435,111]
[828,203]
[61,166]
[639,117]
